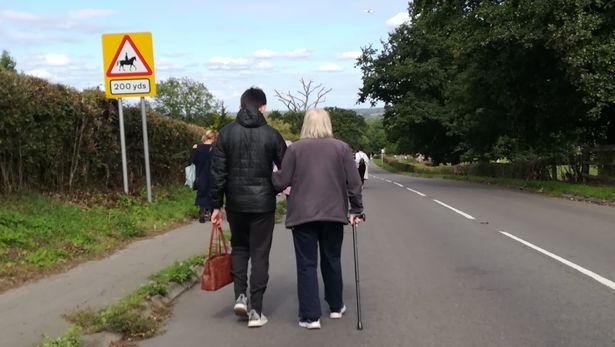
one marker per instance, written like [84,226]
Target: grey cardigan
[323,177]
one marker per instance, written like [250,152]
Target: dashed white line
[416,192]
[581,269]
[389,181]
[454,209]
[398,184]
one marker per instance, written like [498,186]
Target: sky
[228,45]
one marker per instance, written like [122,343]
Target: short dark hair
[253,97]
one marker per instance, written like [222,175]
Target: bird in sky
[368,11]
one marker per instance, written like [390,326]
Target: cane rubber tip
[360,326]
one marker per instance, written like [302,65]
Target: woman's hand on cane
[355,219]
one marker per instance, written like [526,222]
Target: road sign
[128,60]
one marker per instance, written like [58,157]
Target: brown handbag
[217,268]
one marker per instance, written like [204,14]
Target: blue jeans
[308,239]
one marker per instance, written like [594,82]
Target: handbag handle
[220,239]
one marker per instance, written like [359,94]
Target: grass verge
[136,316]
[555,188]
[42,233]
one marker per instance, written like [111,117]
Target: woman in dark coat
[201,158]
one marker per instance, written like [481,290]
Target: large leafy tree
[480,80]
[187,99]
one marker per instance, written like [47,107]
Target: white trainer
[241,306]
[339,314]
[256,320]
[310,324]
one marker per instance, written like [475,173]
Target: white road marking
[581,269]
[397,184]
[454,209]
[416,192]
[389,181]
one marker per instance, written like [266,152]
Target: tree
[185,98]
[292,118]
[480,80]
[303,100]
[375,137]
[348,126]
[7,62]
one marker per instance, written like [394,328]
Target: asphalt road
[481,266]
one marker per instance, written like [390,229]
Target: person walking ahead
[201,158]
[324,178]
[241,170]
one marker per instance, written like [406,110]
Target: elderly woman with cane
[324,179]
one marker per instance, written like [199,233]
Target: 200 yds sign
[129,86]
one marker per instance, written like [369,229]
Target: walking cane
[356,273]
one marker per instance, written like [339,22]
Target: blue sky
[228,45]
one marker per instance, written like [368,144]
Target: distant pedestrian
[362,160]
[201,158]
[324,178]
[242,162]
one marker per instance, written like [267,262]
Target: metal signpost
[128,59]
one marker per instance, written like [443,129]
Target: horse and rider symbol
[130,62]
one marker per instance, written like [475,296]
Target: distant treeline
[55,138]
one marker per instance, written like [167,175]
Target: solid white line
[454,209]
[397,184]
[581,269]
[416,192]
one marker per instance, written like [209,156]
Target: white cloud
[168,65]
[350,55]
[53,59]
[76,20]
[297,53]
[265,53]
[330,68]
[227,63]
[243,65]
[264,65]
[40,73]
[398,19]
[89,13]
[19,16]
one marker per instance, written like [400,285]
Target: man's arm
[282,178]
[280,149]
[353,183]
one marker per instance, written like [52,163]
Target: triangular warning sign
[128,61]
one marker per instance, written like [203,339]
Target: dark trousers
[362,173]
[251,235]
[308,239]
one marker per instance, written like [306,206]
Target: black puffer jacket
[242,162]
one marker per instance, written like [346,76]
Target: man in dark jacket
[241,167]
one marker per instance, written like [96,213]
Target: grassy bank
[555,188]
[42,233]
[137,315]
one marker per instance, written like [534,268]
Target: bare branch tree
[300,102]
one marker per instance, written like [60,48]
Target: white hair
[316,124]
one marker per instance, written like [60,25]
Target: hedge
[55,138]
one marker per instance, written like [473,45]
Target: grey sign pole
[148,177]
[120,110]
